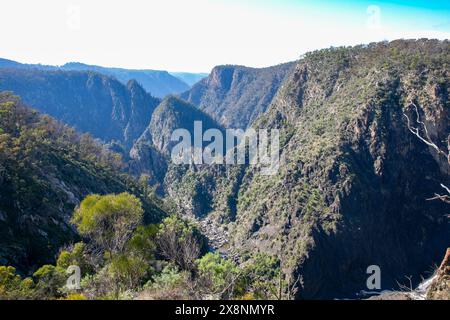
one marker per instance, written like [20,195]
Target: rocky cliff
[235,95]
[151,152]
[352,191]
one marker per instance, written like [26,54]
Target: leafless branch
[427,139]
[406,288]
[419,127]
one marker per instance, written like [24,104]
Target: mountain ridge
[46,169]
[236,95]
[152,151]
[353,186]
[352,191]
[105,107]
[159,83]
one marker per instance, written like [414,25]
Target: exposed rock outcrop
[151,152]
[235,95]
[354,186]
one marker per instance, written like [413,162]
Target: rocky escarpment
[235,95]
[91,102]
[151,152]
[352,191]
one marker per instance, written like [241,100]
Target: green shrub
[109,220]
[12,286]
[218,276]
[78,256]
[50,281]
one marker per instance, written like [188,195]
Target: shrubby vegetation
[46,169]
[119,241]
[121,258]
[12,286]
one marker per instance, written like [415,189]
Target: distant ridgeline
[91,102]
[156,82]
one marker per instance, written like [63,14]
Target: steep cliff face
[90,102]
[46,169]
[146,159]
[151,152]
[236,95]
[172,114]
[352,191]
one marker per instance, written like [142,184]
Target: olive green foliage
[136,264]
[128,270]
[119,253]
[77,255]
[180,242]
[49,281]
[347,159]
[262,276]
[13,287]
[109,220]
[349,162]
[218,275]
[154,261]
[169,276]
[143,241]
[169,284]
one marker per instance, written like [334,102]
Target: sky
[196,35]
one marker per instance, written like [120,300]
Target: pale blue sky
[195,35]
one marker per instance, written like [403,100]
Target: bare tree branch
[425,137]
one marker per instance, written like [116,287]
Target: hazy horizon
[143,35]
